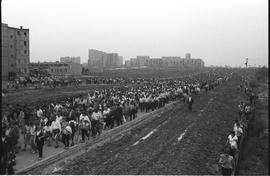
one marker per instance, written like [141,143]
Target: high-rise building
[188,56]
[15,51]
[112,60]
[120,61]
[142,60]
[99,60]
[96,59]
[71,59]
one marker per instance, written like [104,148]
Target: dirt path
[175,142]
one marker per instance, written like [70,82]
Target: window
[25,51]
[25,34]
[11,55]
[25,70]
[11,36]
[11,46]
[24,43]
[18,33]
[11,65]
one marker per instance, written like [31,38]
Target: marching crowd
[42,81]
[87,116]
[229,159]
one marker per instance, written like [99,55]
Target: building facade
[99,60]
[15,51]
[188,56]
[58,68]
[71,59]
[166,62]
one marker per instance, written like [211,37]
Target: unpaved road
[174,142]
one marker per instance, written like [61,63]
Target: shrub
[262,74]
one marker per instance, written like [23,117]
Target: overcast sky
[218,31]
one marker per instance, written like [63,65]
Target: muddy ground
[174,142]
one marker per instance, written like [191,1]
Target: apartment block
[15,51]
[71,59]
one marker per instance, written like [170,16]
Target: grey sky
[218,31]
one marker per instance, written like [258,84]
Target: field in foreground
[175,141]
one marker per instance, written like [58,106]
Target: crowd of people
[77,119]
[42,81]
[228,160]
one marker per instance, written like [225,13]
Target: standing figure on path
[66,133]
[40,141]
[190,101]
[85,126]
[95,122]
[227,163]
[206,87]
[56,129]
[27,135]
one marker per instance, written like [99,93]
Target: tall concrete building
[112,60]
[15,51]
[96,59]
[99,60]
[71,59]
[142,60]
[120,61]
[188,56]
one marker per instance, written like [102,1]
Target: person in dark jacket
[190,101]
[40,136]
[4,153]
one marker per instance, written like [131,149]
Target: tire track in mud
[198,151]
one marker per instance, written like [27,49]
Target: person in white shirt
[238,130]
[190,102]
[39,113]
[232,141]
[66,133]
[85,126]
[95,119]
[59,118]
[56,129]
[106,116]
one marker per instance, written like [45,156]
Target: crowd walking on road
[78,119]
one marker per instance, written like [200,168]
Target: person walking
[85,126]
[190,102]
[227,164]
[32,137]
[66,133]
[95,121]
[27,135]
[40,141]
[56,129]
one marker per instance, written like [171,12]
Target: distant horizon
[223,32]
